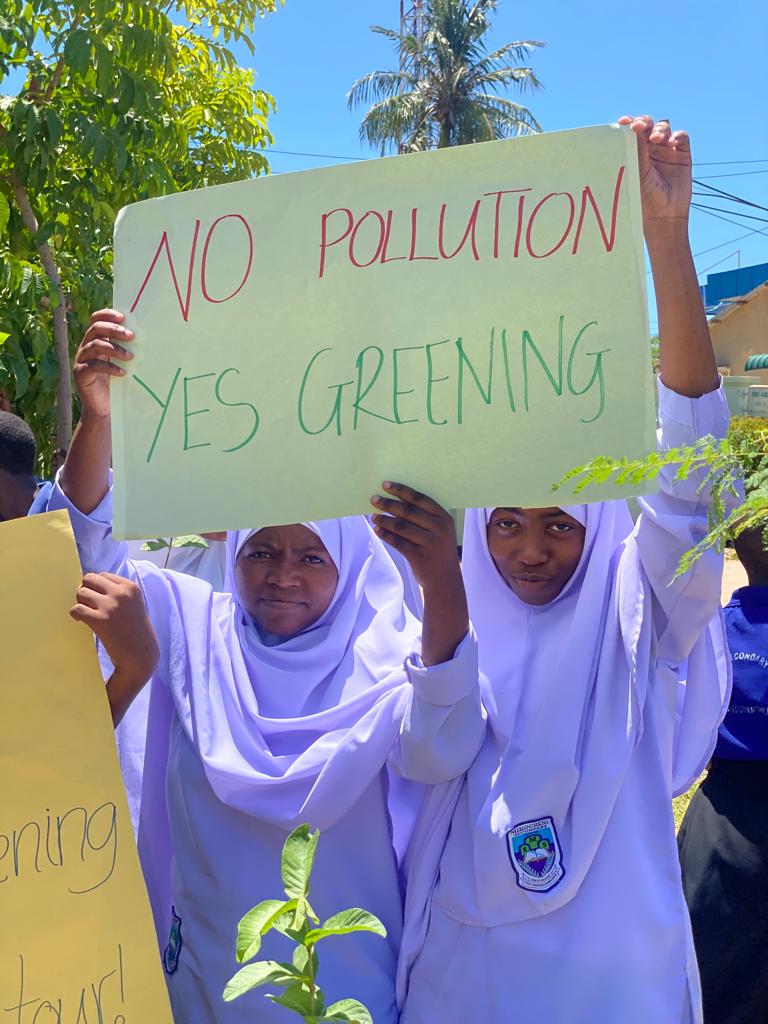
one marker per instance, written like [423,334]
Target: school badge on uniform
[175,942]
[534,850]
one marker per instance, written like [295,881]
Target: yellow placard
[77,942]
[469,321]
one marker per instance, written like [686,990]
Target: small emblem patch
[175,942]
[534,850]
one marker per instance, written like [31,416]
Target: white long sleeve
[444,724]
[673,521]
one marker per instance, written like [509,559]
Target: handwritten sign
[77,942]
[470,321]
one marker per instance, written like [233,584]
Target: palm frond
[393,122]
[503,78]
[446,90]
[378,85]
[518,119]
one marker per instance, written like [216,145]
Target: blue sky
[702,64]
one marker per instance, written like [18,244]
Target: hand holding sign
[425,534]
[665,169]
[93,366]
[470,320]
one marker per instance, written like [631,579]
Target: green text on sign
[469,321]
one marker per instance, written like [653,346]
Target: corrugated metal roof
[730,283]
[757,363]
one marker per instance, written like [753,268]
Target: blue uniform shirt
[744,732]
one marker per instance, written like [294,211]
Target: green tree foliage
[295,918]
[448,88]
[114,101]
[726,466]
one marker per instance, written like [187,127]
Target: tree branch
[60,329]
[58,71]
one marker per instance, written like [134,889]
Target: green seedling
[294,917]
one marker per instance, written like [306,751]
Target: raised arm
[444,723]
[691,404]
[85,474]
[666,175]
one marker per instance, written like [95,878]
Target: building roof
[725,283]
[757,363]
[727,306]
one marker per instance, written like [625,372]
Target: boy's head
[753,556]
[18,453]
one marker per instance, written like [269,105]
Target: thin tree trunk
[60,328]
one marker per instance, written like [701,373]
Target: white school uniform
[602,705]
[247,739]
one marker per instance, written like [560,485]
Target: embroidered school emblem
[534,850]
[175,942]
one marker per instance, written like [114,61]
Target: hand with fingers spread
[113,608]
[424,533]
[666,169]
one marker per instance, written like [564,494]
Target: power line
[735,174]
[718,216]
[713,248]
[316,156]
[722,163]
[731,196]
[718,262]
[704,163]
[734,213]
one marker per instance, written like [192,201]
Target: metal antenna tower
[412,21]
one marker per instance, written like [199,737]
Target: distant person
[19,488]
[723,840]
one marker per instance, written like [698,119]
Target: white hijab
[290,733]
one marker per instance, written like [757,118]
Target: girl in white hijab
[546,885]
[305,691]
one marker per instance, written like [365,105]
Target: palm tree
[446,91]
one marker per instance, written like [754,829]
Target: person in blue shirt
[723,840]
[21,493]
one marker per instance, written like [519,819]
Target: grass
[680,803]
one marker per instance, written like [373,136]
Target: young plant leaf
[257,922]
[345,923]
[190,540]
[299,999]
[263,972]
[348,1011]
[157,544]
[298,857]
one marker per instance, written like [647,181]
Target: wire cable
[734,213]
[730,195]
[735,174]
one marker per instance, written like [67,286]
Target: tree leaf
[5,213]
[297,998]
[54,126]
[263,972]
[254,924]
[297,860]
[158,544]
[345,923]
[77,51]
[349,1011]
[190,540]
